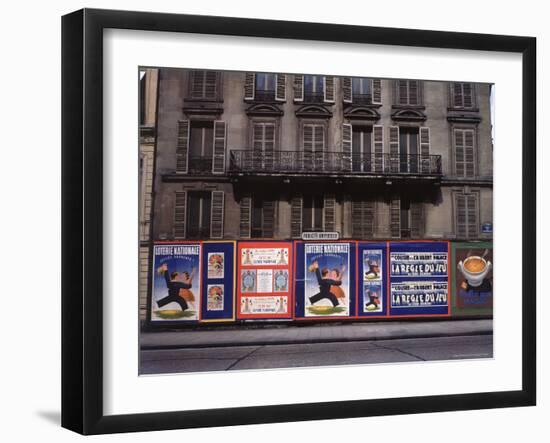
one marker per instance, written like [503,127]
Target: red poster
[264,277]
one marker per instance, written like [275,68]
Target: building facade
[148,84]
[255,155]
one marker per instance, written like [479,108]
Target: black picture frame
[82,215]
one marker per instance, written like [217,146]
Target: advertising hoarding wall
[372,279]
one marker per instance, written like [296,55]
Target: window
[201,145]
[312,212]
[198,214]
[361,148]
[408,149]
[313,143]
[265,86]
[408,92]
[466,210]
[361,89]
[313,88]
[464,144]
[406,218]
[203,85]
[462,95]
[142,92]
[362,218]
[257,217]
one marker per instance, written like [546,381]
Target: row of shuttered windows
[201,215]
[205,85]
[363,141]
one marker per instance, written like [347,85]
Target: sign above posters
[419,278]
[176,284]
[325,236]
[264,275]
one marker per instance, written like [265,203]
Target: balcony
[200,165]
[314,97]
[362,99]
[249,162]
[264,96]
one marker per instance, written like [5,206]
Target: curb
[228,344]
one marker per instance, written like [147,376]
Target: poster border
[82,220]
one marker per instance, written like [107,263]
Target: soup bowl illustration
[474,269]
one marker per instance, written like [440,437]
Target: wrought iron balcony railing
[362,99]
[314,97]
[327,162]
[200,165]
[264,96]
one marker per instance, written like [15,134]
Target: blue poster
[419,278]
[218,268]
[372,279]
[325,279]
[176,282]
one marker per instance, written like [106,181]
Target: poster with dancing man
[327,288]
[176,282]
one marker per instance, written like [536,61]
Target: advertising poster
[473,278]
[264,276]
[325,274]
[372,279]
[218,276]
[176,290]
[419,278]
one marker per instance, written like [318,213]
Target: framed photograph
[275,211]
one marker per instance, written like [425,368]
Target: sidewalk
[320,333]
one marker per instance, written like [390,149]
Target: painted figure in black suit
[174,285]
[324,285]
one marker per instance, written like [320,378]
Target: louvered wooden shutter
[216,214]
[394,148]
[417,220]
[197,84]
[182,146]
[296,217]
[347,91]
[471,215]
[362,219]
[319,138]
[346,146]
[329,209]
[180,214]
[425,166]
[414,92]
[246,216]
[402,92]
[468,95]
[211,86]
[461,216]
[376,88]
[299,88]
[269,137]
[258,137]
[307,138]
[395,217]
[218,160]
[464,152]
[328,89]
[268,218]
[280,87]
[456,94]
[263,137]
[249,85]
[378,143]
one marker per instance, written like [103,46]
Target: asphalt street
[164,361]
